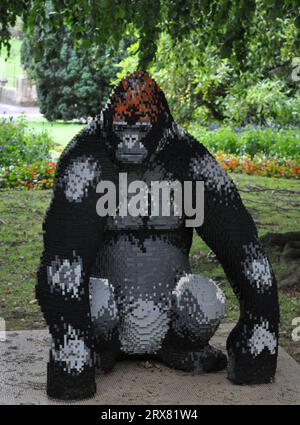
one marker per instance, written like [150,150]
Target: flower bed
[28,161]
[259,166]
[39,175]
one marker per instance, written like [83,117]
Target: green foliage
[10,10]
[71,82]
[275,142]
[19,146]
[216,60]
[266,101]
[202,85]
[194,79]
[226,24]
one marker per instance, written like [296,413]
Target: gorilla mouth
[134,157]
[132,154]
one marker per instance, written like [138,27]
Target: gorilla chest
[151,201]
[145,242]
[144,253]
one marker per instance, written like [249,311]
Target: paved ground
[14,110]
[23,358]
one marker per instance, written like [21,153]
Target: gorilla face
[130,147]
[137,114]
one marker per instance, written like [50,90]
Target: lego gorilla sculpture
[115,285]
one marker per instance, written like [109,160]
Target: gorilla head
[135,117]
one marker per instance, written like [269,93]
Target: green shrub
[282,143]
[19,146]
[265,101]
[72,81]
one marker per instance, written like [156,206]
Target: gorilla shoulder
[89,140]
[182,147]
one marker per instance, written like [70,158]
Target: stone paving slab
[24,354]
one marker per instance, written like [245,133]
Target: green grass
[11,68]
[274,204]
[60,131]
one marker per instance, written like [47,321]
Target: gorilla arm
[229,230]
[72,235]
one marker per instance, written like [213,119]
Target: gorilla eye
[119,127]
[144,126]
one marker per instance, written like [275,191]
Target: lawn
[61,132]
[22,214]
[11,68]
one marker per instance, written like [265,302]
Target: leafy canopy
[224,23]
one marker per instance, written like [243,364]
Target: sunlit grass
[60,131]
[11,68]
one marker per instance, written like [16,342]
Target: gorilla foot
[206,359]
[63,386]
[107,352]
[105,361]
